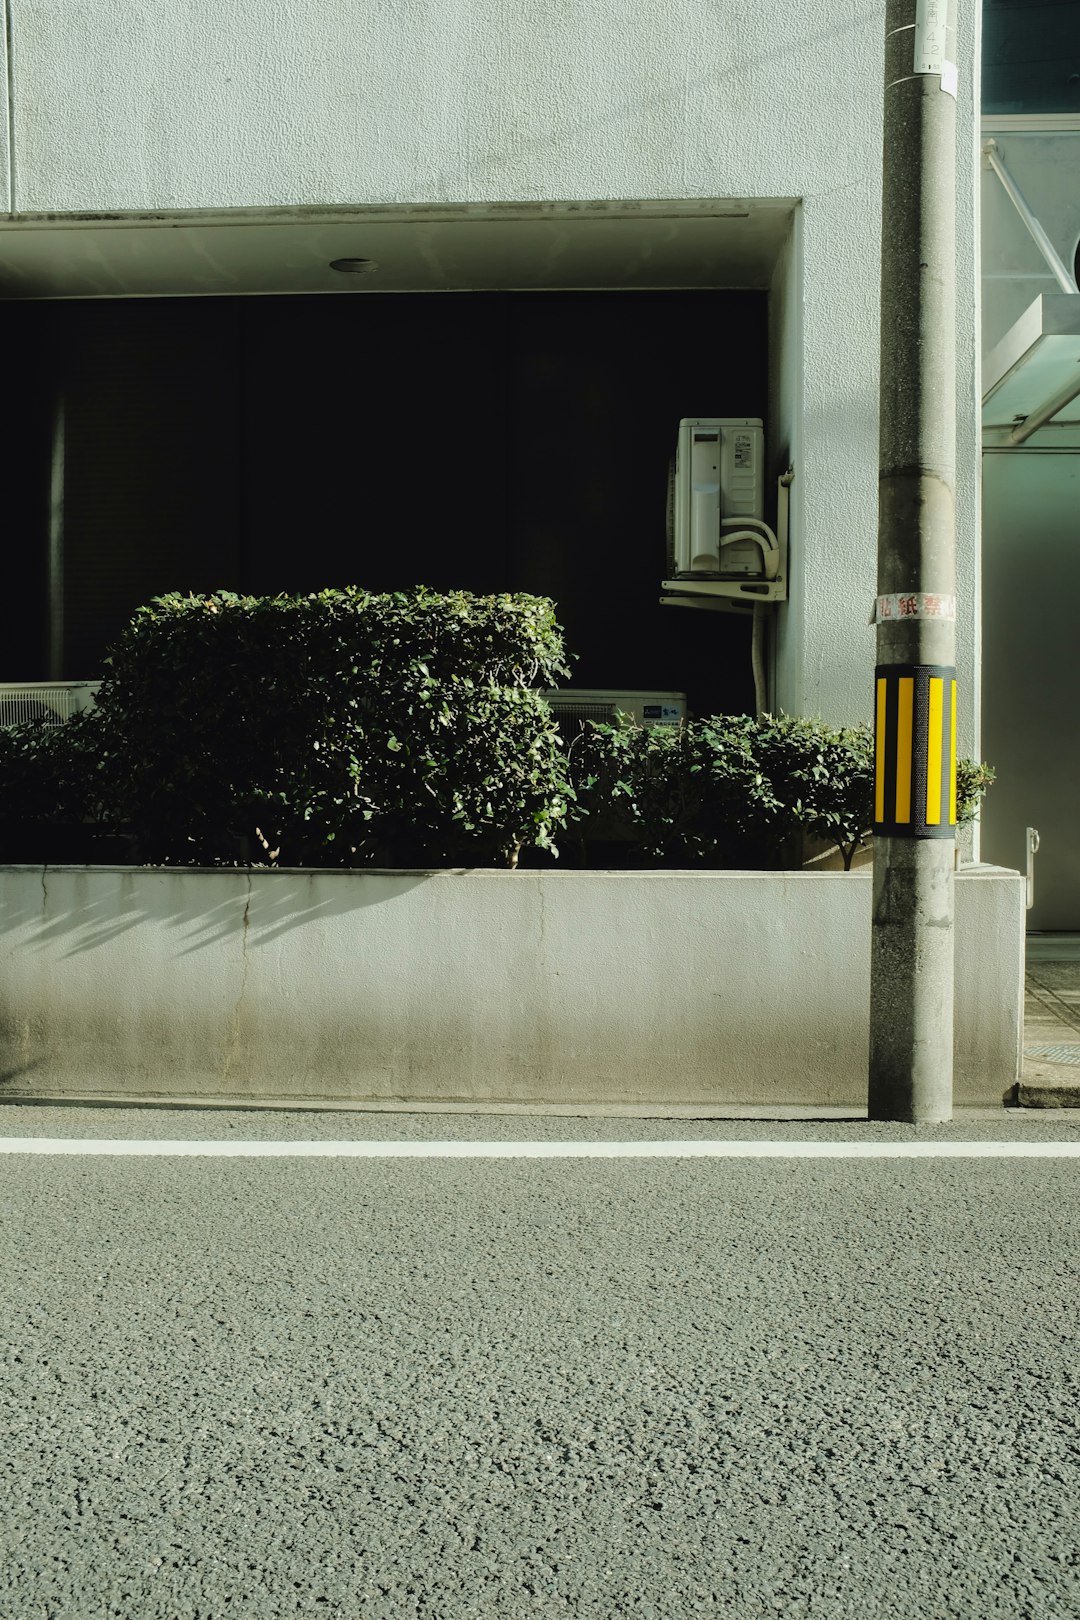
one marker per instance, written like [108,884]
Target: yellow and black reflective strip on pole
[915,751]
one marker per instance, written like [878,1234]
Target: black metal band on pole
[915,751]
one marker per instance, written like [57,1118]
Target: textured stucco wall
[968,404]
[785,449]
[171,104]
[6,203]
[178,104]
[553,987]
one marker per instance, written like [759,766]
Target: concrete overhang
[467,247]
[1034,368]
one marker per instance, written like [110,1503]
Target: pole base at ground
[911,981]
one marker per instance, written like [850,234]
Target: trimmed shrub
[733,791]
[675,795]
[42,771]
[54,791]
[337,728]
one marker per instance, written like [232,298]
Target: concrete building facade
[180,177]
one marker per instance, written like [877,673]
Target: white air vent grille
[50,702]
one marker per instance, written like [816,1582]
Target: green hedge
[732,791]
[345,728]
[336,728]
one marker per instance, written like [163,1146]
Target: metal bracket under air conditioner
[741,593]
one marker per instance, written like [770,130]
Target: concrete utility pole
[911,962]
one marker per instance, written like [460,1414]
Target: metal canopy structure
[1032,379]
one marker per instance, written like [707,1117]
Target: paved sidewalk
[1051,1072]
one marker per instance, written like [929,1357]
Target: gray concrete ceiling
[568,245]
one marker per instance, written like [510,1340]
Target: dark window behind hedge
[478,441]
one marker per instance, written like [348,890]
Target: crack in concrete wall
[233,1039]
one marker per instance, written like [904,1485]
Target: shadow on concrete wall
[178,900]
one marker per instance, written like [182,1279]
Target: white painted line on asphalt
[240,1149]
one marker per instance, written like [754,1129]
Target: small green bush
[55,804]
[337,728]
[52,774]
[733,791]
[973,777]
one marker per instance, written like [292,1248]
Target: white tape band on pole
[914,605]
[931,44]
[930,28]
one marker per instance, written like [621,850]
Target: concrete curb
[1049,1090]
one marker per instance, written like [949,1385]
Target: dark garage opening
[483,441]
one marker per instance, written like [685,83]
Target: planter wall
[701,989]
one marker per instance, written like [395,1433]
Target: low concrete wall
[692,988]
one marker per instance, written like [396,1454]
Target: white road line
[240,1149]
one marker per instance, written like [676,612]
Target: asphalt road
[547,1388]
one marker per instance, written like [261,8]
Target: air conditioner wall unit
[571,703]
[719,497]
[50,702]
[721,553]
